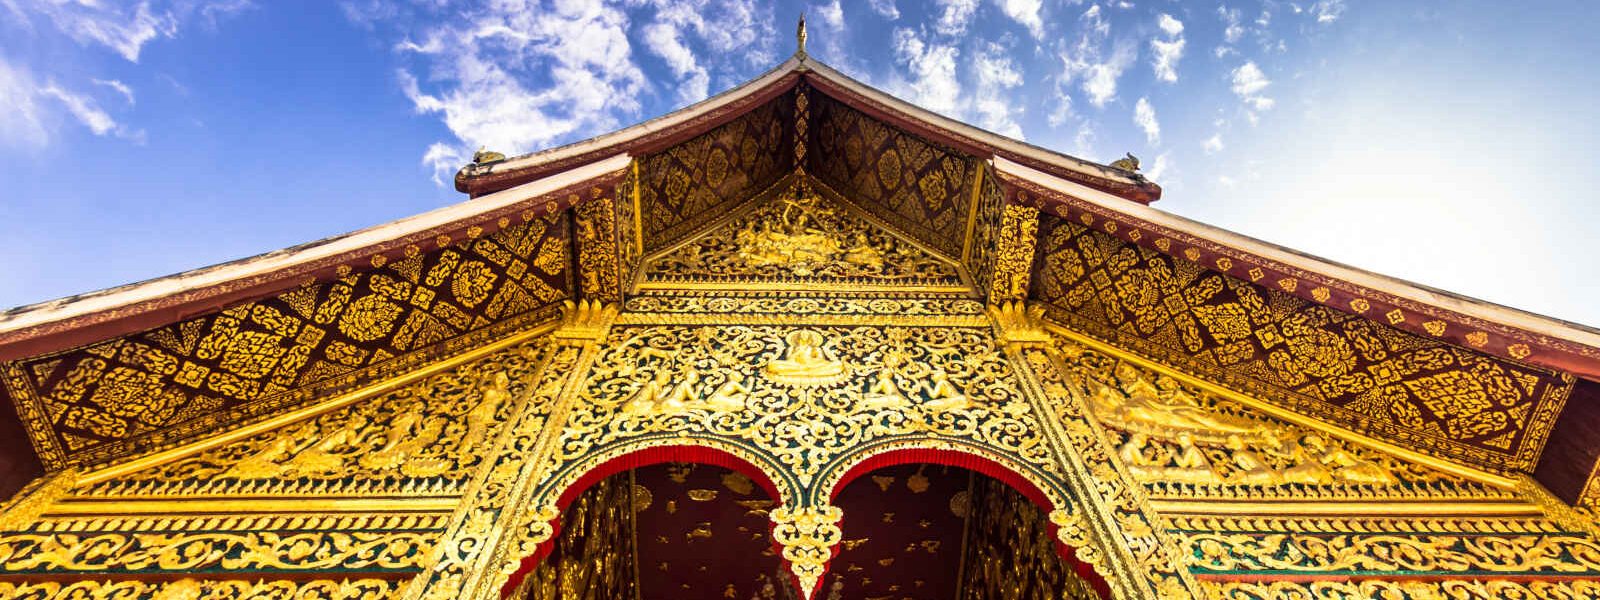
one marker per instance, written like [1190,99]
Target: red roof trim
[140,316]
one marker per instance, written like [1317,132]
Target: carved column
[496,522]
[1107,519]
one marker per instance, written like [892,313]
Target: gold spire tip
[800,36]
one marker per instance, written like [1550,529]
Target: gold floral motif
[395,439]
[1394,552]
[599,238]
[202,589]
[154,389]
[807,535]
[1013,255]
[850,381]
[1439,398]
[1403,590]
[196,551]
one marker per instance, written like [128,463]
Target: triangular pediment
[799,238]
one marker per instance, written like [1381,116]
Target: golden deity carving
[1172,437]
[799,235]
[806,363]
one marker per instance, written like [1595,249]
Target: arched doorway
[643,527]
[911,531]
[939,532]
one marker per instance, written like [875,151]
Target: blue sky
[1448,143]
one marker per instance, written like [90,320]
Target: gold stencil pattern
[917,186]
[202,589]
[686,186]
[1318,360]
[424,437]
[806,394]
[144,391]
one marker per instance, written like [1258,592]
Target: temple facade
[802,340]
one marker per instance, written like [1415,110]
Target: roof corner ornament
[485,156]
[800,36]
[1130,163]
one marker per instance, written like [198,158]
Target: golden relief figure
[436,429]
[800,236]
[806,363]
[1172,434]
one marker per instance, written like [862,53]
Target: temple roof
[333,314]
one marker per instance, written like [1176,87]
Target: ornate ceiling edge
[1468,472]
[81,320]
[372,389]
[1429,321]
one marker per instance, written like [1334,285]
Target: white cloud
[832,15]
[31,108]
[1169,24]
[1083,142]
[1144,115]
[955,16]
[730,30]
[666,41]
[517,76]
[1087,61]
[88,112]
[1166,52]
[993,106]
[22,121]
[443,159]
[1061,112]
[933,82]
[1100,81]
[121,88]
[124,28]
[521,75]
[885,8]
[1227,182]
[1025,12]
[1159,168]
[1328,11]
[1213,144]
[1232,29]
[1248,84]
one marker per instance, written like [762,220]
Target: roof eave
[1579,347]
[87,318]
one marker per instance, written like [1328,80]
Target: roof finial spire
[800,36]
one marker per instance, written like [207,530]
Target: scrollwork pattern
[716,381]
[396,440]
[201,589]
[1404,590]
[188,552]
[1387,553]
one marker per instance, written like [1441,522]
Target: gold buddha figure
[806,362]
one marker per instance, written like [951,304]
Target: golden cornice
[782,319]
[229,505]
[1424,508]
[1459,470]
